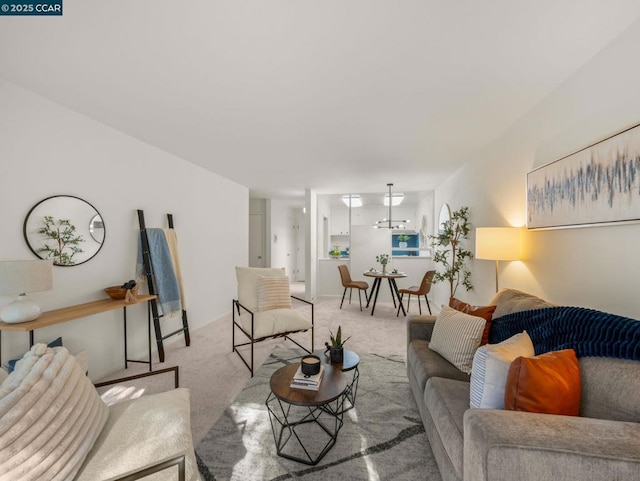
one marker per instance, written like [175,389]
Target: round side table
[350,362]
[292,410]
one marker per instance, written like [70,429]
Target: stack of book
[302,381]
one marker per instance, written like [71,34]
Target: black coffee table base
[294,445]
[351,391]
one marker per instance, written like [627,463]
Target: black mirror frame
[26,238]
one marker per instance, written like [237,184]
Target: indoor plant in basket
[336,351]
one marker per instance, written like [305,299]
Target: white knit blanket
[50,417]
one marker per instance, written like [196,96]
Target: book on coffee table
[303,381]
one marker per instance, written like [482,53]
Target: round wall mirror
[65,229]
[445,216]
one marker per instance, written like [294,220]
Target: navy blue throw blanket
[589,332]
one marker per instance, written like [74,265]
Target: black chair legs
[409,302]
[427,299]
[366,298]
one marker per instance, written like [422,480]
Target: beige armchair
[264,309]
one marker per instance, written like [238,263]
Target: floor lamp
[498,244]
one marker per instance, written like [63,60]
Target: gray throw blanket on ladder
[166,282]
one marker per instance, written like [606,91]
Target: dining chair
[349,283]
[421,290]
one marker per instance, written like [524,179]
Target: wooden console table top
[58,316]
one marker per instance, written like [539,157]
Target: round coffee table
[292,408]
[350,362]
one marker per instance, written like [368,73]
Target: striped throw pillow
[491,367]
[456,336]
[273,293]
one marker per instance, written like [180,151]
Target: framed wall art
[598,185]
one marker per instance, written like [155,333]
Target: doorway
[256,240]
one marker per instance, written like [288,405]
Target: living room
[51,145]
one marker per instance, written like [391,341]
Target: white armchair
[264,309]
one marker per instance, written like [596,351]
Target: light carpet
[382,437]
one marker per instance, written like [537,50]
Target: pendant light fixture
[389,223]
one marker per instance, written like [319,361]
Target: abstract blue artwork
[597,185]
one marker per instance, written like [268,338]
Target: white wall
[425,208]
[595,267]
[46,150]
[281,224]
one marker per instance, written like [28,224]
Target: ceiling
[284,95]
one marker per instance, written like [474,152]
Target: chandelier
[389,223]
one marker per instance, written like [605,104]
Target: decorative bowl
[118,293]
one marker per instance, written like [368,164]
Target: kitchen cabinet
[339,221]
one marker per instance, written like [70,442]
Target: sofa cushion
[274,321]
[511,300]
[142,432]
[426,363]
[273,293]
[486,312]
[491,367]
[447,400]
[610,388]
[50,417]
[456,336]
[548,383]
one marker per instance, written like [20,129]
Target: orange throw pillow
[548,383]
[486,312]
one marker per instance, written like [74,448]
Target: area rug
[382,437]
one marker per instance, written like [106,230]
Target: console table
[65,314]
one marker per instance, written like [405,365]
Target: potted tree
[450,253]
[335,347]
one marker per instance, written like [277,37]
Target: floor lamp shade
[21,277]
[498,244]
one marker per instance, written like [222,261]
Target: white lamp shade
[498,243]
[19,277]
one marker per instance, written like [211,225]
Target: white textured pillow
[273,293]
[491,367]
[50,417]
[456,336]
[248,283]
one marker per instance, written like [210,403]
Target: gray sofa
[499,445]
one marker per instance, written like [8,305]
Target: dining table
[393,287]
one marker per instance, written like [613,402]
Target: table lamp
[21,277]
[498,244]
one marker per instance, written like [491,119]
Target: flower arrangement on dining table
[384,260]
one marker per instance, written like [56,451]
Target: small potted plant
[336,351]
[384,260]
[402,241]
